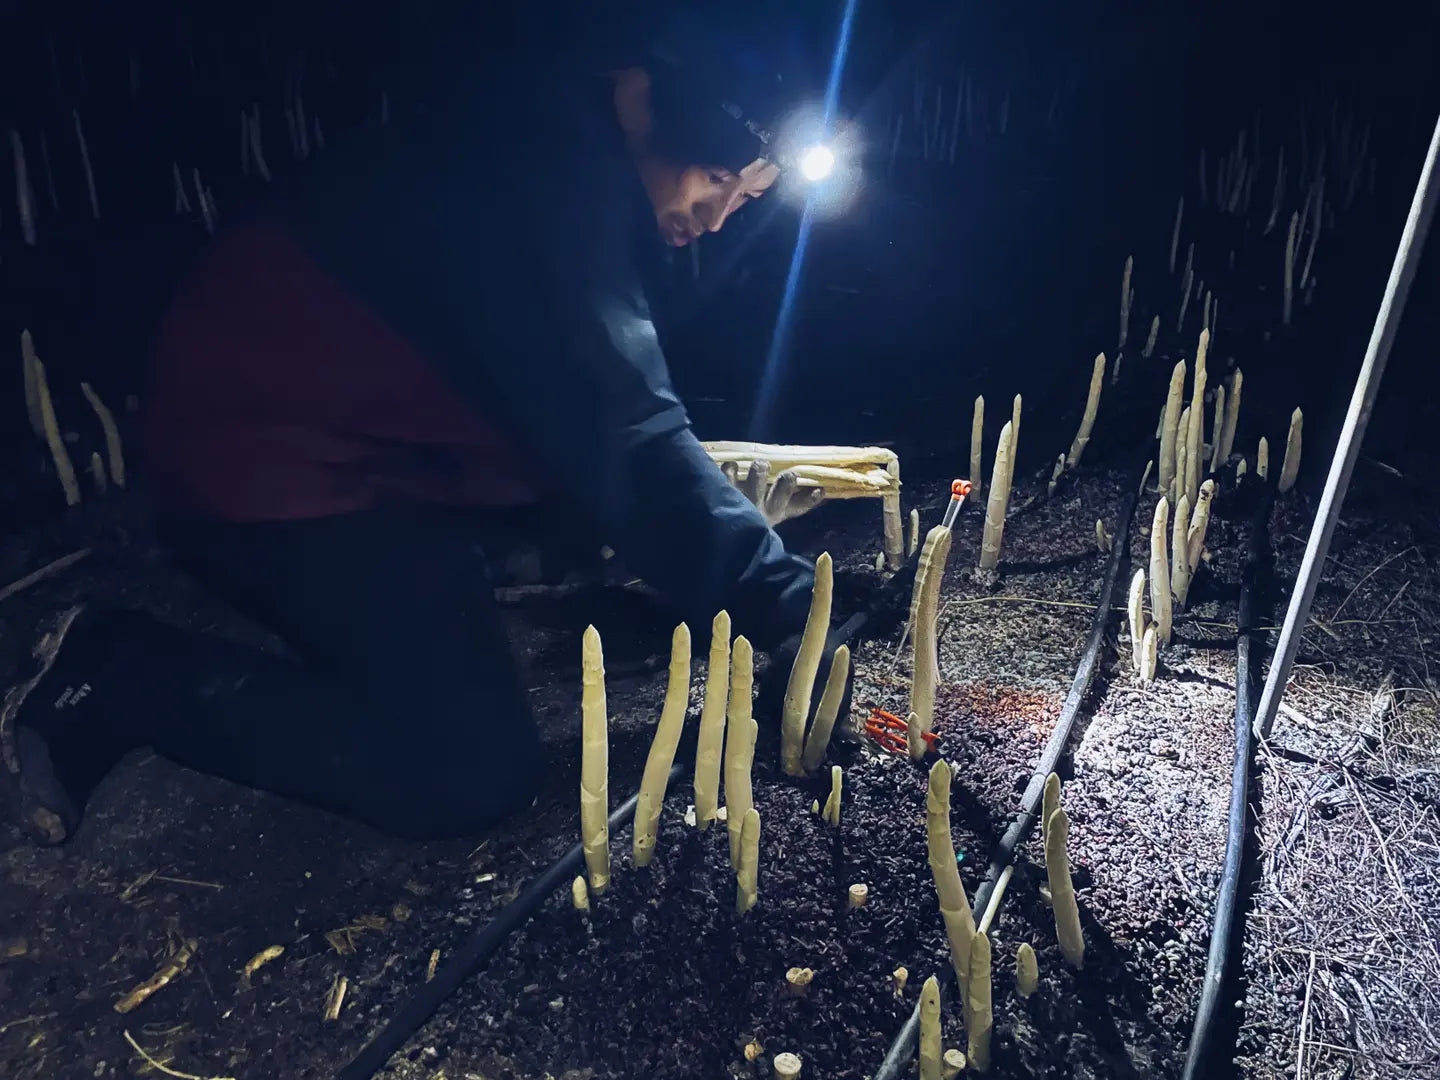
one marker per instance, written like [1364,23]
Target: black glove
[770,699]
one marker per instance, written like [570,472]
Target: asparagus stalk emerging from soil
[1290,466]
[915,737]
[954,907]
[1217,428]
[831,812]
[977,443]
[952,1064]
[913,540]
[1160,609]
[1232,418]
[662,748]
[748,872]
[999,499]
[24,194]
[798,690]
[1170,426]
[1195,449]
[1180,554]
[97,474]
[32,387]
[1186,280]
[1175,233]
[928,578]
[1262,459]
[1199,522]
[64,468]
[85,161]
[818,741]
[930,1040]
[712,724]
[1149,656]
[1290,241]
[1149,349]
[979,1018]
[594,763]
[113,449]
[579,895]
[1182,457]
[1125,300]
[1092,406]
[1062,890]
[1137,615]
[1049,801]
[1027,971]
[1015,408]
[740,745]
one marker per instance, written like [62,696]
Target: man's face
[700,198]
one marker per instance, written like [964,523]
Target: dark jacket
[451,311]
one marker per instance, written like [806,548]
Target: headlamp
[812,160]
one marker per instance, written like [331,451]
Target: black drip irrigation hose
[898,1059]
[1200,1060]
[475,952]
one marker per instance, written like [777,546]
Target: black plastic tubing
[898,1059]
[1247,687]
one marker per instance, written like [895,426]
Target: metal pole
[1362,402]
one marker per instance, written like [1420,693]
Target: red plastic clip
[960,489]
[892,733]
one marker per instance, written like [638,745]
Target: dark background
[993,269]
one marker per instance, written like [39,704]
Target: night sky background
[991,268]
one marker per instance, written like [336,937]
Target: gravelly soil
[239,871]
[1341,941]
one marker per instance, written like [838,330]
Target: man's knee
[461,798]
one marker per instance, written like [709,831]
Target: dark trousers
[405,708]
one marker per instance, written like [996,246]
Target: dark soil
[663,975]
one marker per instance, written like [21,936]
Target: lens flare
[817,163]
